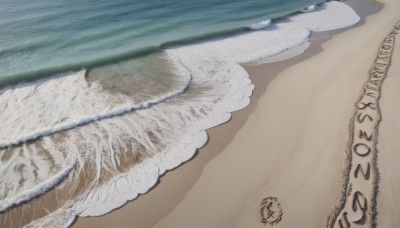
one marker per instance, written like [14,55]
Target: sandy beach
[289,143]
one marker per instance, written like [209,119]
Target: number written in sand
[270,211]
[361,173]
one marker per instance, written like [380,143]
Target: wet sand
[289,143]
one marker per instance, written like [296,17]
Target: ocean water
[43,37]
[100,98]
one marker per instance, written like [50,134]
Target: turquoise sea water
[83,142]
[38,38]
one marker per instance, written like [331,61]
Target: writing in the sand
[270,211]
[359,200]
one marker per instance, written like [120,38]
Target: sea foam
[261,24]
[309,9]
[108,158]
[63,102]
[279,37]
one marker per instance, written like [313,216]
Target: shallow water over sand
[82,143]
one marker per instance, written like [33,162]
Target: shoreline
[172,131]
[45,73]
[306,174]
[217,143]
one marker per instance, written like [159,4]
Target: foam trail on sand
[112,158]
[203,60]
[61,218]
[287,54]
[328,16]
[43,110]
[255,45]
[33,180]
[279,37]
[212,77]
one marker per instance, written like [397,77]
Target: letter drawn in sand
[344,221]
[371,94]
[361,119]
[359,169]
[361,174]
[363,106]
[360,202]
[362,150]
[270,211]
[363,135]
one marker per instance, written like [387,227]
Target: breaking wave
[83,148]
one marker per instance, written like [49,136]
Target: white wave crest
[28,174]
[260,25]
[155,139]
[62,102]
[309,9]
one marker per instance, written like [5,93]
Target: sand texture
[289,159]
[357,204]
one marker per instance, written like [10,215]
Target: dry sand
[290,143]
[358,201]
[389,146]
